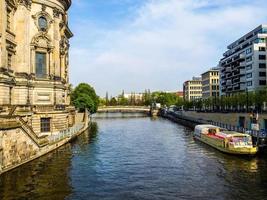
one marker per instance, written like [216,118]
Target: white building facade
[243,67]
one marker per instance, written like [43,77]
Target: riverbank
[18,147]
[239,122]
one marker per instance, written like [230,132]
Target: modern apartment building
[243,66]
[210,83]
[192,89]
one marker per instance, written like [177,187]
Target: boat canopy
[204,129]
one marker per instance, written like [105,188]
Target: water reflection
[137,158]
[46,177]
[43,178]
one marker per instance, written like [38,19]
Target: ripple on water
[137,158]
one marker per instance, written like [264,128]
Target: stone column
[22,30]
[32,60]
[1,151]
[2,35]
[62,66]
[56,42]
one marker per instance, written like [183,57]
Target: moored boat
[226,141]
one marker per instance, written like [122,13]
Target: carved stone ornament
[64,45]
[26,3]
[43,21]
[42,40]
[57,12]
[12,3]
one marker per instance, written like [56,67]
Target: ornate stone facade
[34,79]
[35,112]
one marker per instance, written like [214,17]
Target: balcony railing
[228,69]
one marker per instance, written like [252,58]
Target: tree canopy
[84,97]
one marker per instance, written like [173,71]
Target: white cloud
[164,43]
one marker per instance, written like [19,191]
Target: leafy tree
[84,97]
[84,101]
[164,98]
[113,101]
[122,100]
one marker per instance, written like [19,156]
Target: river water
[134,157]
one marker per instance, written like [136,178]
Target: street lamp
[247,98]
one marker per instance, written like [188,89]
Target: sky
[133,45]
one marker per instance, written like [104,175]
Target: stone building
[192,89]
[210,83]
[35,112]
[34,54]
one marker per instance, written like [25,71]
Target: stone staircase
[40,141]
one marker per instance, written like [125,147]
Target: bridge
[124,109]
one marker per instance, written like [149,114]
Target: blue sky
[134,45]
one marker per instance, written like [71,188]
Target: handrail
[138,108]
[68,133]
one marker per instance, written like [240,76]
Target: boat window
[241,140]
[212,131]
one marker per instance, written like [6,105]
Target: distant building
[177,93]
[180,94]
[210,83]
[134,96]
[243,66]
[192,89]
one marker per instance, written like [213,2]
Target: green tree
[122,100]
[83,101]
[113,101]
[84,97]
[164,98]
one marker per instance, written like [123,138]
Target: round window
[42,22]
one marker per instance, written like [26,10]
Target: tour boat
[226,141]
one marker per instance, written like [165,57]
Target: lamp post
[247,98]
[215,101]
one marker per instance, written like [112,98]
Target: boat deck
[215,137]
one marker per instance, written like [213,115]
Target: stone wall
[16,147]
[228,118]
[4,94]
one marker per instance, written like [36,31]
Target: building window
[249,83]
[248,51]
[259,40]
[262,48]
[262,57]
[249,58]
[9,60]
[262,65]
[249,75]
[40,66]
[8,20]
[42,22]
[262,74]
[249,67]
[262,82]
[45,124]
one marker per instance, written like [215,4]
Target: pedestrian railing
[68,133]
[254,133]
